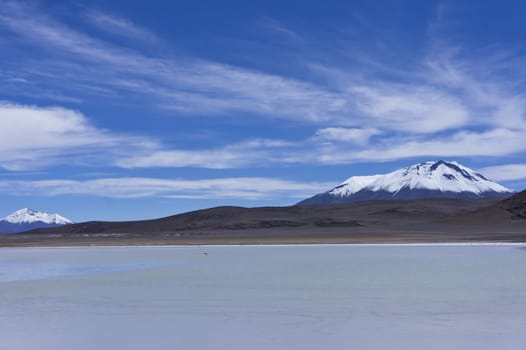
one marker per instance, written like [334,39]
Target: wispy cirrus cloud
[449,105]
[288,34]
[249,188]
[249,153]
[439,95]
[120,26]
[495,96]
[185,84]
[333,146]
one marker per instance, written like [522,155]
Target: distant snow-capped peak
[443,176]
[28,216]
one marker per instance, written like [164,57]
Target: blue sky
[121,110]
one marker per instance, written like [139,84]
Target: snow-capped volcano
[27,216]
[439,179]
[27,219]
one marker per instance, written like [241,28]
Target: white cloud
[336,146]
[31,137]
[193,86]
[506,172]
[120,26]
[491,143]
[211,159]
[418,109]
[492,100]
[287,34]
[243,154]
[425,112]
[250,188]
[188,85]
[47,33]
[350,135]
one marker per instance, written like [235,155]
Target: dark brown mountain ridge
[516,205]
[427,220]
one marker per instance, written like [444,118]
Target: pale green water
[268,297]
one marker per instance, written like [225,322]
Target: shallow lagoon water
[264,297]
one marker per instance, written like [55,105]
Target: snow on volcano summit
[440,179]
[27,219]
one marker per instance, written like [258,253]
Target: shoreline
[414,244]
[271,236]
